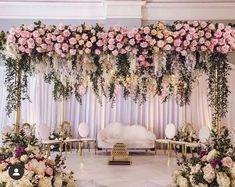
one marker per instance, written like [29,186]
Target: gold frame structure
[18,98]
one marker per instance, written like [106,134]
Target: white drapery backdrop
[153,114]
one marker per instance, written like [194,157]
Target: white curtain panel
[153,114]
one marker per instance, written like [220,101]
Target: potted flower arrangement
[38,170]
[213,166]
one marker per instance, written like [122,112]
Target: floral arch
[158,59]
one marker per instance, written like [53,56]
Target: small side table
[88,141]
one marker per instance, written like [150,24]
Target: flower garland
[157,59]
[38,170]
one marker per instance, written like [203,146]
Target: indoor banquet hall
[117,93]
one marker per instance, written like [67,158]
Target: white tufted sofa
[134,136]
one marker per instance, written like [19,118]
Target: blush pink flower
[130,34]
[22,41]
[65,47]
[182,32]
[203,24]
[57,46]
[111,41]
[73,28]
[72,51]
[97,51]
[221,26]
[218,33]
[225,49]
[84,36]
[72,41]
[87,51]
[208,35]
[48,40]
[177,42]
[28,166]
[22,49]
[99,43]
[115,52]
[203,48]
[178,26]
[60,39]
[201,33]
[36,34]
[186,43]
[146,30]
[61,27]
[89,44]
[192,30]
[119,37]
[144,44]
[49,171]
[128,48]
[202,40]
[31,43]
[184,53]
[44,46]
[66,33]
[11,38]
[138,37]
[132,41]
[227,162]
[119,45]
[110,47]
[39,49]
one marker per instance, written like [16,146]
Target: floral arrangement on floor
[213,166]
[39,171]
[160,59]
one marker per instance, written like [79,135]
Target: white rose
[182,182]
[24,158]
[209,173]
[44,182]
[223,180]
[232,171]
[57,181]
[211,155]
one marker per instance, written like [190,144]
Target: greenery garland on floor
[160,59]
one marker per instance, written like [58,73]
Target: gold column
[184,114]
[62,110]
[18,99]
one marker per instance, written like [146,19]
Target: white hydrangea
[211,155]
[57,181]
[45,182]
[232,171]
[223,180]
[182,181]
[209,173]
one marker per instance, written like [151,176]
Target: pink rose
[203,24]
[176,34]
[186,43]
[208,35]
[123,51]
[111,41]
[115,52]
[178,26]
[130,34]
[184,53]
[141,58]
[201,33]
[221,41]
[226,35]
[218,33]
[84,36]
[192,30]
[99,43]
[66,33]
[87,51]
[134,50]
[111,34]
[61,27]
[73,28]
[65,47]
[97,51]
[138,37]
[211,26]
[22,49]
[39,49]
[152,42]
[214,41]
[146,30]
[49,27]
[117,28]
[44,46]
[89,44]
[189,37]
[11,38]
[60,39]
[110,47]
[22,41]
[178,49]
[49,171]
[119,45]
[182,32]
[202,40]
[41,31]
[221,26]
[177,42]
[36,34]
[203,48]
[72,51]
[148,38]
[119,37]
[144,44]
[128,48]
[72,41]
[225,49]
[194,43]
[207,43]
[227,162]
[134,30]
[193,49]
[186,26]
[195,35]
[31,43]
[28,166]
[132,41]
[57,46]
[48,40]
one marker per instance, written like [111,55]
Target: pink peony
[60,39]
[49,171]
[28,166]
[227,162]
[146,30]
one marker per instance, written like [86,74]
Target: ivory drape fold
[153,114]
